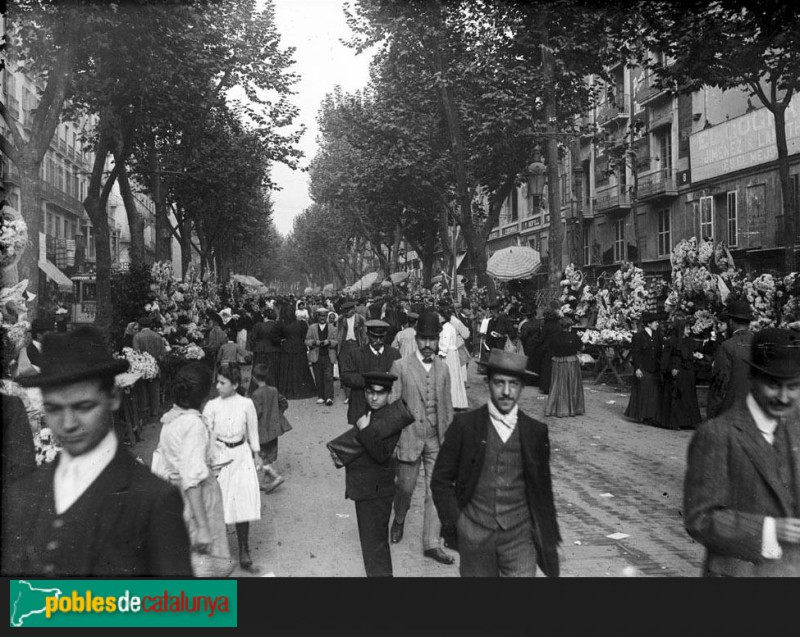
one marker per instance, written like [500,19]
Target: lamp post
[536,175]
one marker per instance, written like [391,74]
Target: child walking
[270,405]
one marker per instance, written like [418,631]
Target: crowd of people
[401,363]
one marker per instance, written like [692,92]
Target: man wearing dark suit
[492,486]
[742,487]
[351,334]
[321,342]
[372,357]
[644,404]
[95,511]
[264,340]
[423,382]
[730,371]
[146,340]
[369,479]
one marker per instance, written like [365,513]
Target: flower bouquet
[578,298]
[141,363]
[46,445]
[787,297]
[761,294]
[13,236]
[606,337]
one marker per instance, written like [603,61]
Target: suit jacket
[410,386]
[313,335]
[265,338]
[18,452]
[148,341]
[646,351]
[731,485]
[352,365]
[459,465]
[360,329]
[730,374]
[270,405]
[135,527]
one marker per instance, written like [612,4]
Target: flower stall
[578,298]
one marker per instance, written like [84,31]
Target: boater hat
[509,363]
[776,352]
[428,325]
[73,356]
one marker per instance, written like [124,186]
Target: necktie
[427,360]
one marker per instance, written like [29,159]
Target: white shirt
[427,366]
[74,474]
[377,352]
[770,548]
[504,424]
[351,328]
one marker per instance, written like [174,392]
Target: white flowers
[13,236]
[141,363]
[46,446]
[606,337]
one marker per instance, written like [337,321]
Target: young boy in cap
[491,482]
[374,356]
[95,511]
[369,478]
[742,487]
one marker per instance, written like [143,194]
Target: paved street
[610,476]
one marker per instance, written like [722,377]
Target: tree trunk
[556,236]
[789,213]
[135,219]
[163,234]
[30,202]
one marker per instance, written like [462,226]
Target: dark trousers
[151,397]
[373,531]
[495,553]
[323,375]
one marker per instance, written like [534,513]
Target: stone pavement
[610,476]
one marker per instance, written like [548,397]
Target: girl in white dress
[448,349]
[234,427]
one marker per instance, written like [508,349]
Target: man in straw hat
[742,487]
[423,382]
[729,373]
[95,511]
[491,482]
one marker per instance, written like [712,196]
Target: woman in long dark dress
[265,343]
[644,404]
[680,409]
[294,375]
[543,358]
[566,385]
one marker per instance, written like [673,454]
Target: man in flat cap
[95,511]
[730,372]
[351,334]
[321,342]
[742,486]
[423,382]
[492,485]
[374,356]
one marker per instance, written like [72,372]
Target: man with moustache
[742,487]
[351,334]
[322,355]
[423,382]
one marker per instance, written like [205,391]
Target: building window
[665,150]
[619,240]
[514,205]
[60,177]
[733,219]
[51,224]
[706,218]
[564,191]
[664,234]
[587,247]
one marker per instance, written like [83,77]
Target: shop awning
[54,274]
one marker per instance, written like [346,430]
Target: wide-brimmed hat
[738,308]
[377,327]
[73,356]
[213,315]
[428,325]
[775,351]
[509,363]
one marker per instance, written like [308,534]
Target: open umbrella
[366,281]
[515,262]
[328,288]
[308,290]
[398,277]
[247,280]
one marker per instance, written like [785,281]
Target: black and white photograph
[400,288]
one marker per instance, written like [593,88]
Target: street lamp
[536,174]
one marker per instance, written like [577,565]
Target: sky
[314,28]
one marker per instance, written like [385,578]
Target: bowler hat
[509,363]
[649,317]
[73,356]
[428,325]
[381,379]
[377,327]
[775,351]
[738,308]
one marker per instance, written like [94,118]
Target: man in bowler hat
[742,486]
[491,482]
[423,382]
[730,372]
[95,511]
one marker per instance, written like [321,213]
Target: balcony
[612,111]
[660,119]
[60,198]
[510,229]
[647,93]
[612,199]
[657,184]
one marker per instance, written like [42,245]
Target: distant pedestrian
[680,409]
[146,340]
[265,343]
[448,350]
[321,343]
[644,404]
[566,386]
[729,372]
[272,423]
[405,341]
[351,334]
[543,357]
[294,377]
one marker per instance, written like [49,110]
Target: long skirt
[458,391]
[294,378]
[680,409]
[645,400]
[566,388]
[238,481]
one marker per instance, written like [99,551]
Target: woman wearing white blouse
[448,349]
[234,426]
